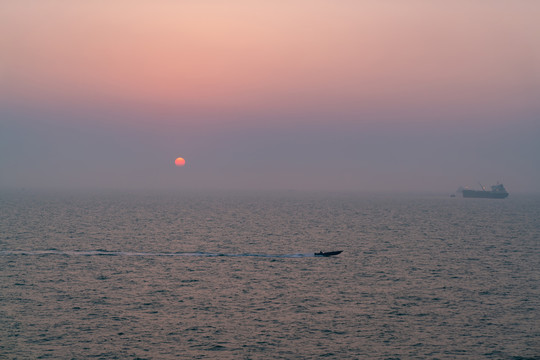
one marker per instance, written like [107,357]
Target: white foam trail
[130,253]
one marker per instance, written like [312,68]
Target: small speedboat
[328,253]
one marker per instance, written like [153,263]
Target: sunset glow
[261,55]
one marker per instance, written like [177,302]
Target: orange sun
[180,162]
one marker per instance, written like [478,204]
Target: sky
[400,96]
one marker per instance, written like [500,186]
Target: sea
[232,275]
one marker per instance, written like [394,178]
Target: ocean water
[233,276]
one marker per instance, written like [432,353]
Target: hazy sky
[300,94]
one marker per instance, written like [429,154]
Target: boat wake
[147,254]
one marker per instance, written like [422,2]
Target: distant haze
[301,95]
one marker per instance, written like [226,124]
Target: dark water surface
[232,276]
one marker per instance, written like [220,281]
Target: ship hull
[484,194]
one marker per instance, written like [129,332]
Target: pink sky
[198,66]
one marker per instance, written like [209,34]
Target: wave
[132,253]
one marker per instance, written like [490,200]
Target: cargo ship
[497,192]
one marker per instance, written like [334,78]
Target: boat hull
[328,253]
[484,194]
